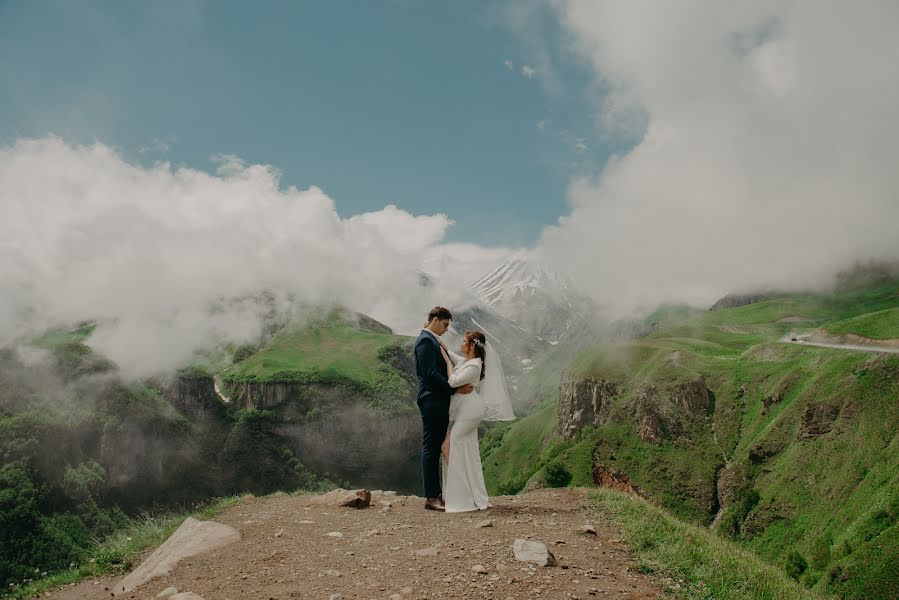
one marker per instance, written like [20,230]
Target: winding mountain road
[801,340]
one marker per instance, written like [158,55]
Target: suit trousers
[434,422]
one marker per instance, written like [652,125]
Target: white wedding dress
[463,479]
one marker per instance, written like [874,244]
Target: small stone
[332,573]
[384,503]
[485,523]
[479,569]
[169,591]
[390,493]
[279,533]
[394,597]
[587,530]
[406,591]
[535,552]
[334,534]
[432,551]
[335,597]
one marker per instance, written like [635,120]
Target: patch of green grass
[330,349]
[57,337]
[116,554]
[880,325]
[509,464]
[693,562]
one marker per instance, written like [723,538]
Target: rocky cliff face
[259,396]
[657,412]
[583,402]
[194,396]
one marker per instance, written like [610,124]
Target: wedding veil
[498,405]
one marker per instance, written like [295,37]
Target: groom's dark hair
[440,313]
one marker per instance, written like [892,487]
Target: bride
[463,479]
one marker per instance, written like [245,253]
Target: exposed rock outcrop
[610,478]
[583,402]
[192,538]
[259,396]
[693,396]
[194,396]
[657,412]
[817,420]
[730,478]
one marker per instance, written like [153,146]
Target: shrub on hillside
[795,565]
[244,352]
[557,475]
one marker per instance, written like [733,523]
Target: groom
[433,401]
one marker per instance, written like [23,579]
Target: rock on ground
[535,552]
[192,538]
[344,498]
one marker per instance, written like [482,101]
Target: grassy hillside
[880,325]
[336,349]
[81,456]
[332,343]
[691,562]
[796,456]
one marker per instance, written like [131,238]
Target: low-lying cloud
[148,251]
[768,154]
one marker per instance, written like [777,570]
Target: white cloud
[769,135]
[509,64]
[86,235]
[528,71]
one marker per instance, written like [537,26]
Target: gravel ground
[402,551]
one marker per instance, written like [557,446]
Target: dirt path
[803,341]
[402,552]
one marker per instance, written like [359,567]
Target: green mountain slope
[880,325]
[791,450]
[83,452]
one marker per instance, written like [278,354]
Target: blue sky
[389,102]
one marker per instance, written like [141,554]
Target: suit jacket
[430,369]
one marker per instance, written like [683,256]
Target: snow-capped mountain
[528,314]
[538,300]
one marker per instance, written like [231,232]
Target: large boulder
[192,538]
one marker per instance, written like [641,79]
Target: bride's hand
[445,356]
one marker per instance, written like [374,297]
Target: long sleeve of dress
[467,373]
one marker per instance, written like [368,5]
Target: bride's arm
[467,374]
[456,358]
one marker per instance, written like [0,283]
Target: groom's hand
[465,389]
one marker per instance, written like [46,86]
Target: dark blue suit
[434,394]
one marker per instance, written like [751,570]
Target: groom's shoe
[435,504]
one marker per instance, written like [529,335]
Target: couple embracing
[464,388]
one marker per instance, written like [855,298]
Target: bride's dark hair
[479,342]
